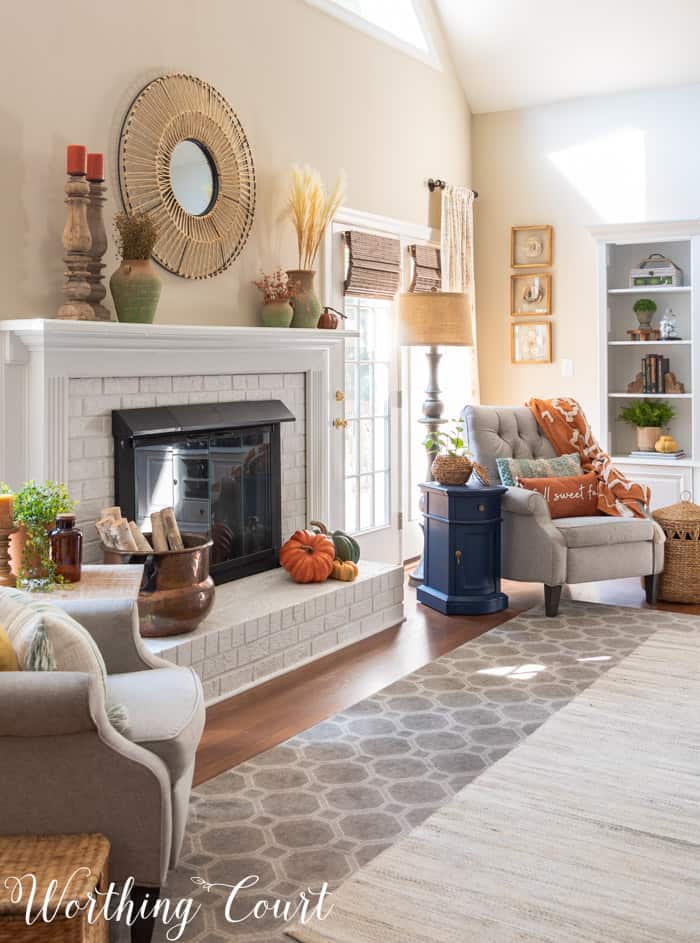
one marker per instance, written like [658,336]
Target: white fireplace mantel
[38,358]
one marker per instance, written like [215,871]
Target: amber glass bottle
[66,543]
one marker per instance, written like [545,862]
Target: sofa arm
[45,703]
[524,501]
[534,550]
[65,769]
[114,625]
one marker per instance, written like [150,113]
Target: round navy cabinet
[462,555]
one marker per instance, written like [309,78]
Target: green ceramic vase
[136,288]
[277,314]
[306,304]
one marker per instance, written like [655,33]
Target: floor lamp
[433,319]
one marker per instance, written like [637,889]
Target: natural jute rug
[589,830]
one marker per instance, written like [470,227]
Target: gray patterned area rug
[318,807]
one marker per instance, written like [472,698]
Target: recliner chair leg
[651,587]
[142,929]
[552,595]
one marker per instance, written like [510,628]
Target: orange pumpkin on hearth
[308,557]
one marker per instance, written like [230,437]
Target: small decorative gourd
[666,443]
[308,557]
[346,547]
[344,570]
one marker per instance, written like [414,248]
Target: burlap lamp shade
[435,319]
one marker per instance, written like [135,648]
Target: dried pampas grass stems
[311,210]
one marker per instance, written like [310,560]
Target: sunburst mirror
[185,159]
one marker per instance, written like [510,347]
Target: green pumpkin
[346,547]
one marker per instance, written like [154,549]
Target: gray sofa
[566,550]
[64,768]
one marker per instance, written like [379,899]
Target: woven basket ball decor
[179,122]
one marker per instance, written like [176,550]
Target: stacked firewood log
[121,534]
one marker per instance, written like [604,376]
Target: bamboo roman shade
[427,275]
[374,266]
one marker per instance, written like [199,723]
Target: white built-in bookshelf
[621,248]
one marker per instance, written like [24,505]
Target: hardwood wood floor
[256,720]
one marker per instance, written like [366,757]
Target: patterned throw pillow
[561,466]
[566,497]
[45,638]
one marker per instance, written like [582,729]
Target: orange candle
[96,167]
[76,157]
[6,506]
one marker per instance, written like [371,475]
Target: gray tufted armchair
[538,549]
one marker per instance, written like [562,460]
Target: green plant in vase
[35,509]
[136,285]
[649,416]
[645,309]
[451,465]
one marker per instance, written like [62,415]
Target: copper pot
[177,591]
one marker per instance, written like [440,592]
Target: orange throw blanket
[565,425]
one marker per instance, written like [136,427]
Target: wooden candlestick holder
[7,577]
[96,199]
[77,242]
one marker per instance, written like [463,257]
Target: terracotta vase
[33,567]
[647,436]
[277,314]
[307,307]
[136,288]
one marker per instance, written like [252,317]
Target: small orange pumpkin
[308,557]
[344,570]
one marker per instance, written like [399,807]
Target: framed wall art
[530,246]
[530,294]
[531,342]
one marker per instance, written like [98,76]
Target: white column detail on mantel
[38,358]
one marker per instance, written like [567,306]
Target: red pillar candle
[96,167]
[76,157]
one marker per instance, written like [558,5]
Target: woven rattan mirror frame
[170,109]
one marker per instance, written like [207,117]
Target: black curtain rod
[437,184]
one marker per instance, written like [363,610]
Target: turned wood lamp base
[7,577]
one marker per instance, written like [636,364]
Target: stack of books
[654,369]
[664,456]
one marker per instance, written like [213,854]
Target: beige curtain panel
[457,252]
[374,266]
[426,268]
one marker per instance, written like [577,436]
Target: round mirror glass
[193,177]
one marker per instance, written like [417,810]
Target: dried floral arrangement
[136,235]
[311,209]
[276,286]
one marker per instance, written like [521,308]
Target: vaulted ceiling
[515,53]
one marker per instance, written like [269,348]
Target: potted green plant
[451,465]
[645,309]
[649,416]
[35,509]
[136,285]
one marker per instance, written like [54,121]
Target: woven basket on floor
[680,580]
[52,858]
[451,469]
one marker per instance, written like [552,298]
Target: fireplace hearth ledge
[265,625]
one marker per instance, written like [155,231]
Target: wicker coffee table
[52,858]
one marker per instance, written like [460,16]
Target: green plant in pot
[451,465]
[136,285]
[649,416]
[645,309]
[35,508]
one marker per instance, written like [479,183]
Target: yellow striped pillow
[8,659]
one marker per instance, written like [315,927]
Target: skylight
[397,22]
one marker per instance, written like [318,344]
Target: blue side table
[462,555]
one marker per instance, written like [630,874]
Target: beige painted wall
[600,160]
[306,87]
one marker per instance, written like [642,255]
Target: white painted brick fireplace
[60,381]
